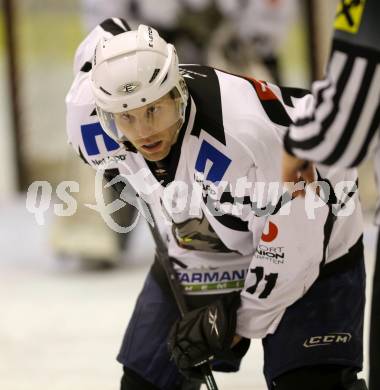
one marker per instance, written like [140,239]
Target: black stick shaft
[175,286]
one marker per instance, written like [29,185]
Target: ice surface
[61,326]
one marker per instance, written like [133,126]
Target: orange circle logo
[272,233]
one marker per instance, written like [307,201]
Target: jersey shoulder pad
[85,51]
[84,131]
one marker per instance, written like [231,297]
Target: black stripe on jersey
[330,221]
[228,220]
[354,116]
[124,23]
[276,112]
[332,200]
[232,222]
[327,230]
[112,27]
[273,107]
[177,262]
[226,197]
[129,147]
[236,223]
[270,209]
[289,92]
[207,98]
[87,66]
[326,123]
[371,132]
[342,205]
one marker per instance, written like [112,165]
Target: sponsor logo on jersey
[272,233]
[198,282]
[207,188]
[109,159]
[96,141]
[275,254]
[349,15]
[329,339]
[211,162]
[220,287]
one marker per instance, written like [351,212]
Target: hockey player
[341,127]
[203,147]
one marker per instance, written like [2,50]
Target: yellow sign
[349,15]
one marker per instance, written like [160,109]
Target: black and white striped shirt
[340,125]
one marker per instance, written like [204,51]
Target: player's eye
[152,110]
[127,117]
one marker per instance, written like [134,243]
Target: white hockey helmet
[131,70]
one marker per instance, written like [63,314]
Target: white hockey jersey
[206,195]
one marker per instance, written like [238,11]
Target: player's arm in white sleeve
[286,263]
[297,241]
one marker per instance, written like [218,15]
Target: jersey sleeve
[291,252]
[340,126]
[283,268]
[297,239]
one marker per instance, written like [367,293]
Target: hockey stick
[175,287]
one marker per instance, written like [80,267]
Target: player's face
[153,128]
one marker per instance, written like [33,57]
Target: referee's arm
[341,126]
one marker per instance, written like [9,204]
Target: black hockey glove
[205,334]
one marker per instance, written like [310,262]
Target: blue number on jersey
[89,134]
[220,162]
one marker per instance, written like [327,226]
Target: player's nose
[143,128]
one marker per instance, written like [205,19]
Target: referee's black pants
[374,343]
